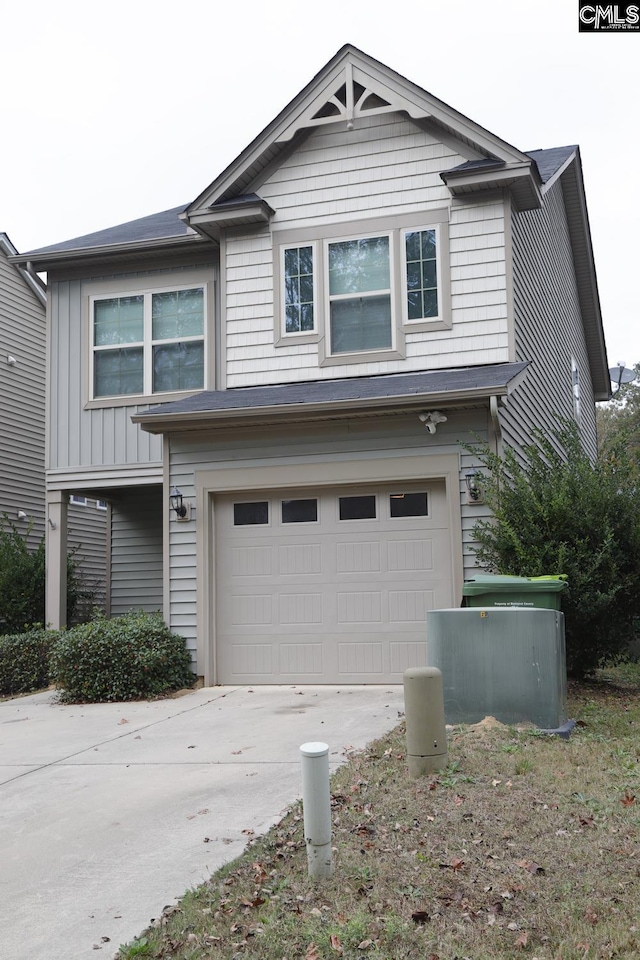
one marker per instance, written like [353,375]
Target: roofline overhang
[112,252]
[211,222]
[158,423]
[29,275]
[522,179]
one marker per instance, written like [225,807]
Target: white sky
[112,111]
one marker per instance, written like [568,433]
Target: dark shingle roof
[478,381]
[157,226]
[550,161]
[547,161]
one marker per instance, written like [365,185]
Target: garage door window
[251,514]
[408,505]
[299,511]
[357,508]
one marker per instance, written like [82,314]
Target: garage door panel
[332,601]
[299,559]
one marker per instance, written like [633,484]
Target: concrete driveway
[109,812]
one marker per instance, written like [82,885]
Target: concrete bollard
[316,804]
[424,712]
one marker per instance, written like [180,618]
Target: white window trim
[165,281]
[299,336]
[396,226]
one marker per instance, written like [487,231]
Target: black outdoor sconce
[474,487]
[180,508]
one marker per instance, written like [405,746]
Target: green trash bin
[501,590]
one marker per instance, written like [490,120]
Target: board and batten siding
[136,550]
[387,166]
[22,399]
[548,327]
[104,435]
[87,529]
[346,440]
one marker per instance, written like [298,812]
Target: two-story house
[22,429]
[274,385]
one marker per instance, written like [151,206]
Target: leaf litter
[477,861]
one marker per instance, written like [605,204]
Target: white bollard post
[316,804]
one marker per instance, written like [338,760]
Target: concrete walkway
[109,812]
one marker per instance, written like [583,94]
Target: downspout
[497,429]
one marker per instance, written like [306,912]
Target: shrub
[24,660]
[561,514]
[22,580]
[126,658]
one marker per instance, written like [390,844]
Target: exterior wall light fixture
[182,509]
[475,493]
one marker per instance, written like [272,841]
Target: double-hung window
[358,293]
[359,288]
[149,342]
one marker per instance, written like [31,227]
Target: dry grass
[526,845]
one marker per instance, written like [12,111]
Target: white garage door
[328,586]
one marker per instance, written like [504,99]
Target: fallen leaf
[365,944]
[530,865]
[457,863]
[312,952]
[628,800]
[522,940]
[249,832]
[120,722]
[336,945]
[591,916]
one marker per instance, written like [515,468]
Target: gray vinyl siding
[80,436]
[22,398]
[548,326]
[350,440]
[136,550]
[87,529]
[387,166]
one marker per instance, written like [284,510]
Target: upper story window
[299,304]
[146,343]
[358,293]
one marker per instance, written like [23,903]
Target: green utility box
[496,590]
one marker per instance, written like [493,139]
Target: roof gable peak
[351,86]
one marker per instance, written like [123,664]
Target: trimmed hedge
[24,660]
[132,657]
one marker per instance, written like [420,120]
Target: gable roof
[351,85]
[318,399]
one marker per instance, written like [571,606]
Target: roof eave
[112,252]
[330,409]
[519,179]
[586,277]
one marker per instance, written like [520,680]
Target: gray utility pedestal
[505,663]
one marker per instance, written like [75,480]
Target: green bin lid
[503,583]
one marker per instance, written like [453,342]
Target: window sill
[373,356]
[138,400]
[425,326]
[293,339]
